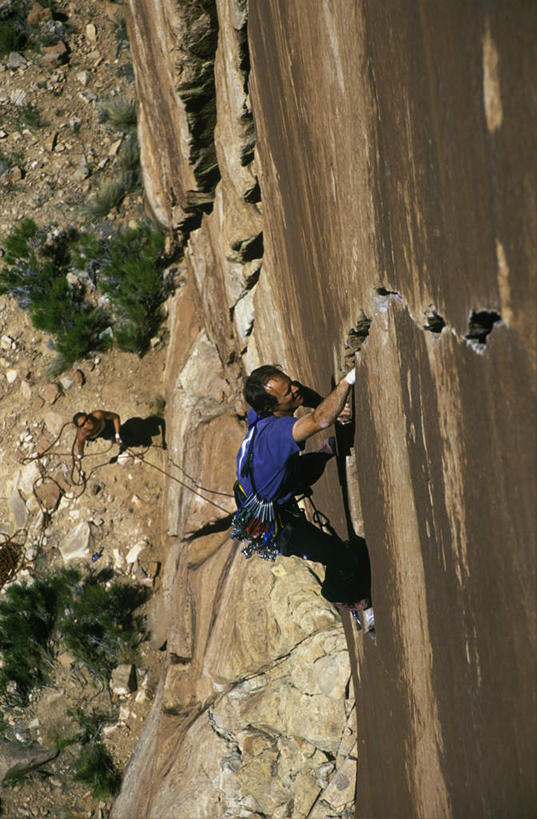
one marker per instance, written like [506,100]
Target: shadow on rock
[141,431]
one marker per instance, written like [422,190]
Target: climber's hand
[345,416]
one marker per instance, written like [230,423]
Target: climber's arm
[327,411]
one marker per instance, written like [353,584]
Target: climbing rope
[318,517]
[12,547]
[79,477]
[194,481]
[141,457]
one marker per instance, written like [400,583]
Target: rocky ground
[56,151]
[55,154]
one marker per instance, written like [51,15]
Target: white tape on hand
[350,378]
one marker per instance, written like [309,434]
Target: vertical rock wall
[398,179]
[257,672]
[391,194]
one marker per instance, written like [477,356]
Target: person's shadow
[345,440]
[306,469]
[141,431]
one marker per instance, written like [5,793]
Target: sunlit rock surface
[393,161]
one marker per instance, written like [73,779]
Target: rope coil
[11,555]
[12,547]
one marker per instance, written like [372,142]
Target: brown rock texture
[396,180]
[396,176]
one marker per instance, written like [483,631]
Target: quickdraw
[258,522]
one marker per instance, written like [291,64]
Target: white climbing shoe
[368,620]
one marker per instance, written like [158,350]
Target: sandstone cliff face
[257,683]
[422,219]
[393,166]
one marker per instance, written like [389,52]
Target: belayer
[93,425]
[271,471]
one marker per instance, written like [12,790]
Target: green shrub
[129,156]
[128,267]
[131,265]
[62,311]
[10,38]
[90,724]
[30,116]
[76,333]
[112,192]
[100,627]
[93,620]
[56,367]
[95,766]
[133,279]
[96,769]
[20,244]
[10,159]
[34,272]
[119,112]
[126,70]
[13,26]
[109,196]
[122,35]
[28,615]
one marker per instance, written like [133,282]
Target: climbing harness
[257,521]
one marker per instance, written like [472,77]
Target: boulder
[54,54]
[17,759]
[18,509]
[123,680]
[16,60]
[77,545]
[27,477]
[38,14]
[339,793]
[50,392]
[244,315]
[48,495]
[54,422]
[136,550]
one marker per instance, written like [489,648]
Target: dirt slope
[55,153]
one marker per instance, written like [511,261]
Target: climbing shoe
[356,618]
[368,619]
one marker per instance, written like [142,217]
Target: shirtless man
[95,424]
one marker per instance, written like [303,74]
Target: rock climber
[271,470]
[95,424]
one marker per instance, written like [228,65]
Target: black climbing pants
[347,576]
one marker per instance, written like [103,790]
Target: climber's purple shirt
[273,446]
